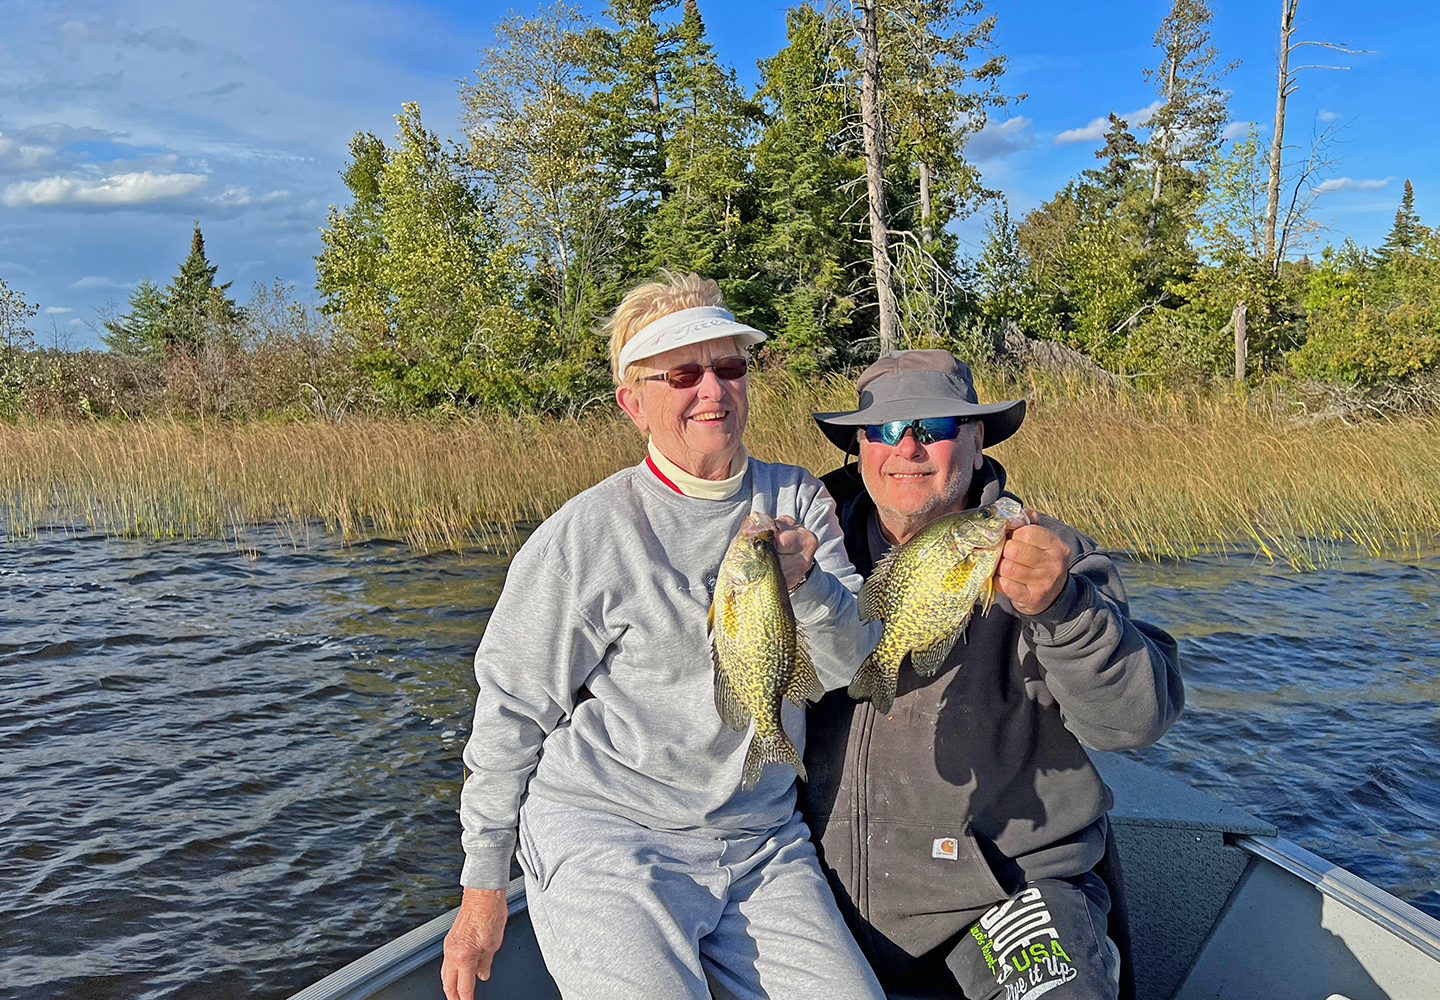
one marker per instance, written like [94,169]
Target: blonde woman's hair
[646,303]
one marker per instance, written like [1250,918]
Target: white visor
[688,326]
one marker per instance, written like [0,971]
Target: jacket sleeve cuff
[486,868]
[1054,622]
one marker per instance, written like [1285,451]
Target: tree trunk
[1164,140]
[927,231]
[1242,341]
[873,126]
[1277,143]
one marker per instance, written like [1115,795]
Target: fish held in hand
[926,590]
[759,650]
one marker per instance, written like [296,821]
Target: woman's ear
[632,401]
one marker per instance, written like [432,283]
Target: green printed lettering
[1058,951]
[1037,950]
[1016,961]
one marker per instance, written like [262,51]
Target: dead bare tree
[1286,84]
[873,128]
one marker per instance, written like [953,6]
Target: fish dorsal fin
[927,662]
[872,593]
[804,684]
[727,703]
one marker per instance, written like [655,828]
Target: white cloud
[119,190]
[1236,130]
[95,281]
[56,310]
[1327,115]
[1089,133]
[1350,184]
[1095,130]
[999,139]
[240,197]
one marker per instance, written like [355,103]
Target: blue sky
[120,122]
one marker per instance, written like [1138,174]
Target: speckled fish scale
[759,651]
[925,591]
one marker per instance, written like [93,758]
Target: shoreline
[1167,477]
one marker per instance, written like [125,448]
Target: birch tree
[534,142]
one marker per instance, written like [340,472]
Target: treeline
[596,152]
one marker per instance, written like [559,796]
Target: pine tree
[633,63]
[935,99]
[1185,132]
[1405,234]
[805,169]
[141,331]
[1121,153]
[195,307]
[700,225]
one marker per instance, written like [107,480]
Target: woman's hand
[795,545]
[473,940]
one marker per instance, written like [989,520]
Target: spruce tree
[698,227]
[1405,233]
[141,331]
[805,169]
[196,307]
[1121,152]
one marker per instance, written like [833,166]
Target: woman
[648,871]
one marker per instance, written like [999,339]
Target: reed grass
[1157,475]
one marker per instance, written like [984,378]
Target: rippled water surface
[225,773]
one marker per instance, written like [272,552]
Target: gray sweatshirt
[596,681]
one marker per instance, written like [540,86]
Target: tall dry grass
[1165,475]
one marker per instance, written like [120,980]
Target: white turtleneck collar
[694,486]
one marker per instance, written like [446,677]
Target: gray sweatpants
[624,912]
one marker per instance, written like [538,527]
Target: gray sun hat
[913,385]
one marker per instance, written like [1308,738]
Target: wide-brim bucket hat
[913,385]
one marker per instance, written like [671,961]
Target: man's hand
[473,940]
[1033,567]
[795,545]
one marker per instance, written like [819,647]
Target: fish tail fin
[774,748]
[873,681]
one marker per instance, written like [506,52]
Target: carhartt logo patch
[945,847]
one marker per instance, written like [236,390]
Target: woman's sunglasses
[927,431]
[688,376]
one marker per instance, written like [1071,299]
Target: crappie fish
[760,654]
[926,590]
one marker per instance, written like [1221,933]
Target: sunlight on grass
[1157,475]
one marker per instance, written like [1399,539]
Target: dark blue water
[226,773]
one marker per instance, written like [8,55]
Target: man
[961,831]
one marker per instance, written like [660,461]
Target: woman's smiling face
[699,428]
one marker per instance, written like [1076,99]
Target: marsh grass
[1157,475]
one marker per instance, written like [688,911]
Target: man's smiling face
[913,483]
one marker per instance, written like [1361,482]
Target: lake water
[225,773]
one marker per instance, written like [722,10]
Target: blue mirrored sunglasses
[927,431]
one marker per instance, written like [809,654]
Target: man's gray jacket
[976,782]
